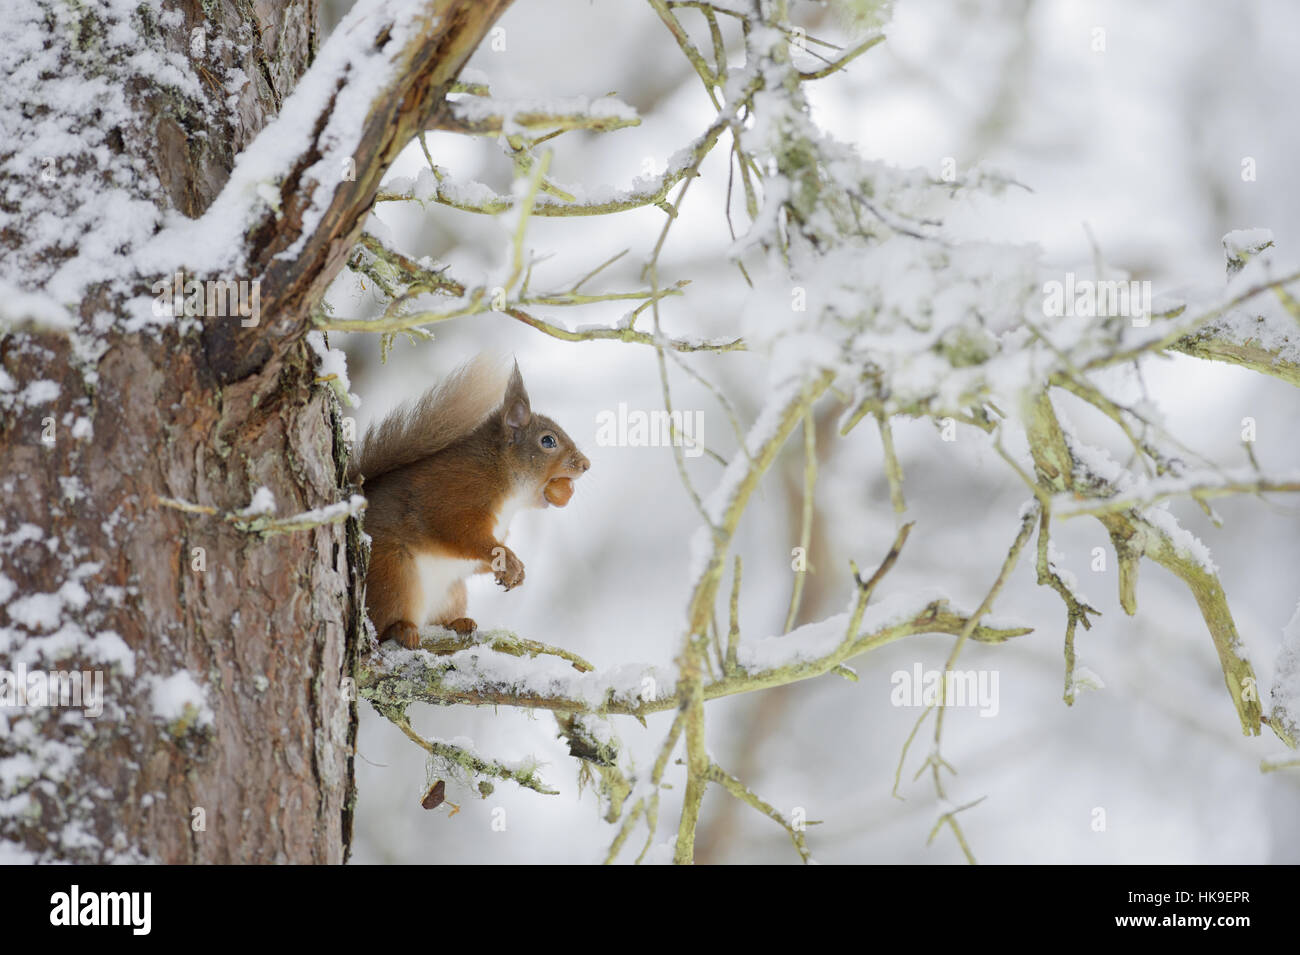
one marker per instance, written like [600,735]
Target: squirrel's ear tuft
[516,410]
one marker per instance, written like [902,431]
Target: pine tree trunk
[103,425]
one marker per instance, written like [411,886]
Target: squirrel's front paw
[508,569]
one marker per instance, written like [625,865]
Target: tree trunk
[108,429]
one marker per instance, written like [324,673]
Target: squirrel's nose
[580,462]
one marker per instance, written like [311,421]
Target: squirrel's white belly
[437,575]
[509,508]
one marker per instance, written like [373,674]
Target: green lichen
[965,346]
[187,722]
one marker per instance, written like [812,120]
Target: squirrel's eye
[548,441]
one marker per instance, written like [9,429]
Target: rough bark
[271,624]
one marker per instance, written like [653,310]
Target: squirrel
[442,478]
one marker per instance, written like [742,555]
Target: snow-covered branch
[294,205]
[484,675]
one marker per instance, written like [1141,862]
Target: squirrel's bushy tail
[447,413]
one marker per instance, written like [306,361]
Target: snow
[73,115]
[481,669]
[41,393]
[1067,577]
[18,305]
[809,642]
[1086,679]
[1185,543]
[44,612]
[180,697]
[1246,240]
[334,366]
[700,552]
[109,648]
[213,243]
[263,503]
[1139,488]
[475,77]
[473,194]
[764,428]
[83,225]
[467,194]
[1285,694]
[815,641]
[331,513]
[71,489]
[473,109]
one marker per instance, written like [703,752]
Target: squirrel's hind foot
[405,633]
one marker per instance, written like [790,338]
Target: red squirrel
[443,477]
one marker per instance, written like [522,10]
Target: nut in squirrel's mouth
[558,491]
